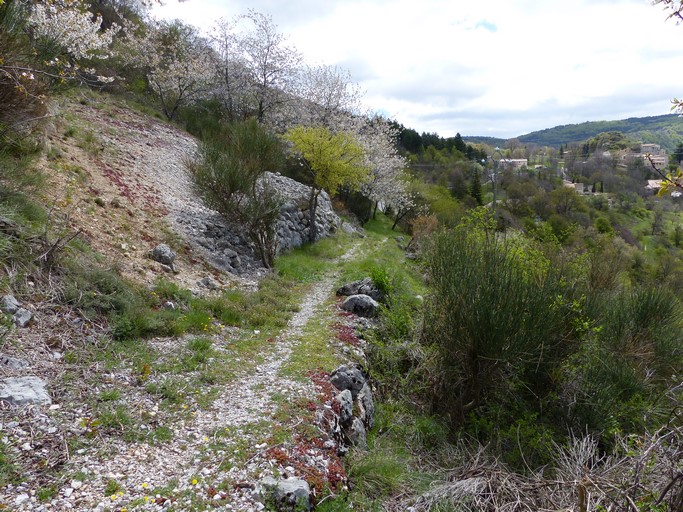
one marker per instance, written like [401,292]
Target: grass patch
[9,473]
[378,474]
[110,395]
[118,420]
[162,434]
[47,493]
[310,262]
[112,487]
[313,351]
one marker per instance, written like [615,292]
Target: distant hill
[491,141]
[665,130]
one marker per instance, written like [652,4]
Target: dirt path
[216,452]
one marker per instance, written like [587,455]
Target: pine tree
[475,188]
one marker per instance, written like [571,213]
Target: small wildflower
[144,485]
[206,439]
[195,481]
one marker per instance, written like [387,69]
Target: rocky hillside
[227,415]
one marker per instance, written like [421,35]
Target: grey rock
[12,362]
[24,391]
[362,287]
[230,253]
[22,317]
[366,406]
[345,401]
[292,226]
[356,434]
[361,305]
[290,494]
[163,254]
[9,304]
[210,283]
[348,377]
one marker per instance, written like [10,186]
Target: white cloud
[502,67]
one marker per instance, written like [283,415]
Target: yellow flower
[195,481]
[144,485]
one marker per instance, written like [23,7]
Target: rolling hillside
[666,130]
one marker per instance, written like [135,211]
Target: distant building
[514,163]
[654,185]
[579,187]
[653,154]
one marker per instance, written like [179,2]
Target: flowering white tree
[271,64]
[71,27]
[234,84]
[327,96]
[62,33]
[178,62]
[386,184]
[43,42]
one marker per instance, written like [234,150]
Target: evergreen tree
[475,187]
[678,154]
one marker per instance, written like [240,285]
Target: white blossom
[73,29]
[178,62]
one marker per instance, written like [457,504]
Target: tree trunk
[312,207]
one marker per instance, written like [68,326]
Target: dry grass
[644,473]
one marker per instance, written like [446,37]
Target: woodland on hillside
[529,351]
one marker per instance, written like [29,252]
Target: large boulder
[348,377]
[24,391]
[22,317]
[344,401]
[293,226]
[12,362]
[356,434]
[290,494]
[361,305]
[163,254]
[9,304]
[366,406]
[362,287]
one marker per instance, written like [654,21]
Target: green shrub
[97,291]
[381,279]
[617,381]
[229,172]
[166,290]
[493,317]
[9,472]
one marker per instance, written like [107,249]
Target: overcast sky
[496,67]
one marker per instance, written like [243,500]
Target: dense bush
[496,315]
[535,344]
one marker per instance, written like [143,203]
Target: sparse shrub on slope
[229,174]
